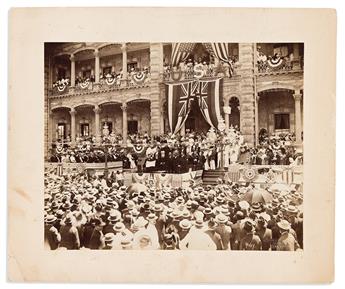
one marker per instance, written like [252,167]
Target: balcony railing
[108,82]
[199,71]
[278,65]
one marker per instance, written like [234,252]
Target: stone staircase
[210,177]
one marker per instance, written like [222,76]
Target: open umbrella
[136,188]
[257,195]
[280,189]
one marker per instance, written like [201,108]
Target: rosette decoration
[249,174]
[176,74]
[139,77]
[84,84]
[270,176]
[110,79]
[275,63]
[139,149]
[61,85]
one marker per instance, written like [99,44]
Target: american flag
[180,52]
[221,51]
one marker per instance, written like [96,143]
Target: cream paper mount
[30,28]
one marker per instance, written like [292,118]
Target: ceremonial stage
[257,174]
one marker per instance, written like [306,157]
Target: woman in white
[131,161]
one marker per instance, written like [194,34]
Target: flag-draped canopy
[219,50]
[207,93]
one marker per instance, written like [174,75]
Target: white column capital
[297,96]
[124,47]
[96,52]
[124,107]
[97,109]
[73,111]
[72,57]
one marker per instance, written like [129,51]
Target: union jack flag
[181,95]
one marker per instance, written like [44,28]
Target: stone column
[227,112]
[257,99]
[298,117]
[124,60]
[96,53]
[72,58]
[156,87]
[50,128]
[124,123]
[97,111]
[247,88]
[73,131]
[162,122]
[296,65]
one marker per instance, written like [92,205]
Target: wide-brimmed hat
[224,210]
[265,216]
[151,217]
[180,200]
[291,210]
[50,219]
[244,205]
[130,204]
[59,214]
[109,237]
[55,205]
[126,242]
[284,225]
[185,224]
[221,219]
[119,227]
[199,223]
[157,208]
[219,199]
[248,225]
[207,211]
[110,203]
[186,214]
[80,217]
[256,207]
[66,206]
[135,212]
[114,216]
[175,214]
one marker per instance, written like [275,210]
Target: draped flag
[209,99]
[180,96]
[221,52]
[180,52]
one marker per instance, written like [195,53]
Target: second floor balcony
[107,82]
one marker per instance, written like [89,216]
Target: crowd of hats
[73,200]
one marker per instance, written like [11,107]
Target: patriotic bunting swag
[181,95]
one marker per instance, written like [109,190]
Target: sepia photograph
[173,146]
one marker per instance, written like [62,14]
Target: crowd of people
[83,212]
[180,153]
